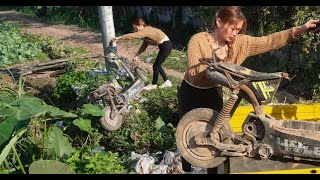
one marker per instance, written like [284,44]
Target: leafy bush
[97,161]
[15,48]
[150,126]
[17,111]
[141,133]
[316,92]
[53,48]
[81,80]
[162,103]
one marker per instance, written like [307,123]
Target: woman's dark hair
[138,22]
[231,14]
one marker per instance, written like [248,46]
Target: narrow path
[75,36]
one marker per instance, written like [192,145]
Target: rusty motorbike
[205,139]
[116,101]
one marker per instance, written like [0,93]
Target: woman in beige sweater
[228,41]
[156,37]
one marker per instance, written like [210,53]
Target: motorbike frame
[115,102]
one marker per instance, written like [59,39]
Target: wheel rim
[107,118]
[194,150]
[196,121]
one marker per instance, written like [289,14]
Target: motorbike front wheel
[108,123]
[197,121]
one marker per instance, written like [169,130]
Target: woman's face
[229,31]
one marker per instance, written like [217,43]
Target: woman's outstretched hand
[311,25]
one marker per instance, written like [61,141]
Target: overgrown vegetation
[15,48]
[27,126]
[53,48]
[84,147]
[68,134]
[74,86]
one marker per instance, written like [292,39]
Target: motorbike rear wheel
[197,121]
[110,124]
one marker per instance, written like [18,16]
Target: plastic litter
[168,162]
[148,59]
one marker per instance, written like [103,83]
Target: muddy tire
[140,74]
[192,123]
[110,124]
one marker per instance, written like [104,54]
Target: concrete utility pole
[108,32]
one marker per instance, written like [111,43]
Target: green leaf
[6,129]
[83,124]
[160,125]
[8,147]
[58,144]
[29,106]
[8,95]
[50,167]
[23,114]
[93,110]
[6,111]
[56,112]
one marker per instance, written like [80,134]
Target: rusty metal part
[296,139]
[235,84]
[234,154]
[229,82]
[265,151]
[224,115]
[102,91]
[198,123]
[253,100]
[202,139]
[95,95]
[241,139]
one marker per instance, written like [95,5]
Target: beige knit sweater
[151,35]
[244,46]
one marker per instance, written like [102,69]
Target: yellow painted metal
[293,171]
[307,112]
